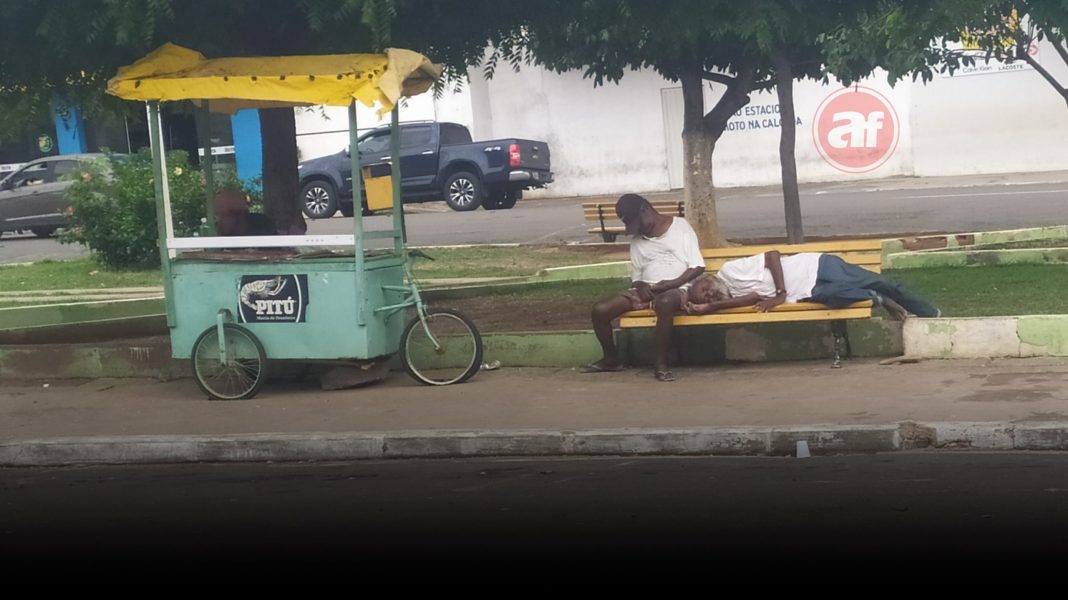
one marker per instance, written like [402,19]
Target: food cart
[236,303]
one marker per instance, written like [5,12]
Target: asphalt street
[891,206]
[472,518]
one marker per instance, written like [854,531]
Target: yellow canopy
[172,72]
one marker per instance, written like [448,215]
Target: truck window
[415,137]
[454,134]
[375,144]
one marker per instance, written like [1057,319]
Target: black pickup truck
[438,162]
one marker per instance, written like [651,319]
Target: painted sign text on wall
[757,116]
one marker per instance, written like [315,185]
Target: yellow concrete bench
[863,253]
[609,226]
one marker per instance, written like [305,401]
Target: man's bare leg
[667,306]
[603,314]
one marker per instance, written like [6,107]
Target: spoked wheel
[243,371]
[319,199]
[454,358]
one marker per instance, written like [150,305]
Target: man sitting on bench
[664,258]
[232,216]
[766,280]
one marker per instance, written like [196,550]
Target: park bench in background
[608,225]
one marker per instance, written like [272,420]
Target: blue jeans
[839,284]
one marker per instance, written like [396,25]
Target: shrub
[113,204]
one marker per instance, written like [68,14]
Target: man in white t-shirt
[767,280]
[664,258]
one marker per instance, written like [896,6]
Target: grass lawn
[990,291]
[508,261]
[959,292]
[84,273]
[448,263]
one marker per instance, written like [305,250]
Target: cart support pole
[156,143]
[400,236]
[203,122]
[357,213]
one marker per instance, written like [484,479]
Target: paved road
[758,213]
[902,205]
[475,517]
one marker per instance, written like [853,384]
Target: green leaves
[113,206]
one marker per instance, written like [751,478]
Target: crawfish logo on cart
[273,298]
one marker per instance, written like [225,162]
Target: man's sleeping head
[708,288]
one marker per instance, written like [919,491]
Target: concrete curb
[980,337]
[982,248]
[936,338]
[558,349]
[707,441]
[78,312]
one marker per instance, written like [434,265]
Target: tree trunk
[698,143]
[281,181]
[784,77]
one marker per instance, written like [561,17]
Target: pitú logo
[855,129]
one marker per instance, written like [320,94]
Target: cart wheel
[244,371]
[454,359]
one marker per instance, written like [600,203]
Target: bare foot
[897,312]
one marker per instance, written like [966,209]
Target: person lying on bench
[767,280]
[664,258]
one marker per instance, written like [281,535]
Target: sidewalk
[732,410]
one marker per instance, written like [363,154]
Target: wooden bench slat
[612,204]
[748,310]
[608,211]
[862,260]
[827,314]
[828,247]
[611,210]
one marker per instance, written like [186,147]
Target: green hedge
[113,206]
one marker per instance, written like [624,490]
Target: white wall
[602,139]
[618,138]
[992,123]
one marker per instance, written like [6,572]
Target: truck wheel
[462,191]
[43,231]
[318,199]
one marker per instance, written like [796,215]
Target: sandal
[597,367]
[664,375]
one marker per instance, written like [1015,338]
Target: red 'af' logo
[855,129]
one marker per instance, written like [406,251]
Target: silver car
[32,198]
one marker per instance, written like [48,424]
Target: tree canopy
[69,48]
[739,47]
[918,38]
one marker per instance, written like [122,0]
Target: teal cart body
[305,309]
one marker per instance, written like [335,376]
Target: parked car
[438,162]
[32,198]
